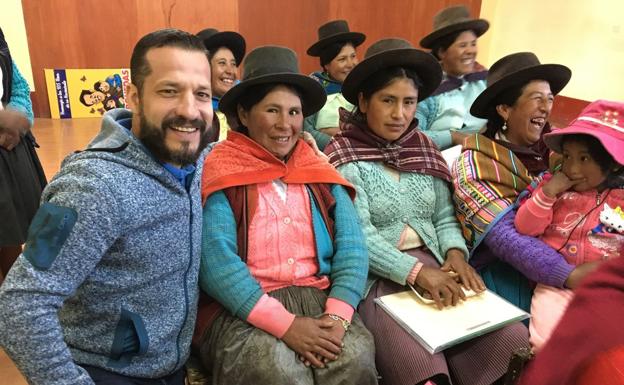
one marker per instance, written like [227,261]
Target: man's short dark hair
[139,67]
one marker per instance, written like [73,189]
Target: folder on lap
[437,330]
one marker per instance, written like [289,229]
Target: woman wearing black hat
[336,52]
[404,204]
[282,249]
[21,176]
[226,51]
[494,168]
[445,115]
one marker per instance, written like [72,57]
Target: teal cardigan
[385,206]
[226,278]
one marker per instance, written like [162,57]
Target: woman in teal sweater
[404,204]
[445,115]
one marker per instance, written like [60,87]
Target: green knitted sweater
[386,205]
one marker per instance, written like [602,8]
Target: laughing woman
[225,52]
[445,115]
[282,249]
[336,52]
[404,203]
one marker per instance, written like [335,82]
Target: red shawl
[240,161]
[591,325]
[412,152]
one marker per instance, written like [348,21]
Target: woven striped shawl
[487,178]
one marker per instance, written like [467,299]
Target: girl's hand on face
[559,183]
[466,274]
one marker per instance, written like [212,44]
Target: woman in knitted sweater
[282,250]
[404,203]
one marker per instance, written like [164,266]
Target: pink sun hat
[602,119]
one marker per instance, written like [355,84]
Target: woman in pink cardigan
[578,210]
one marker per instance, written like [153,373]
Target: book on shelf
[437,329]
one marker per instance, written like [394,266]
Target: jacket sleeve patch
[47,233]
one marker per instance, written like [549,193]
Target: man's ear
[132,98]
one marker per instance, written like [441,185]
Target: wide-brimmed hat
[602,119]
[333,32]
[451,20]
[515,70]
[274,64]
[393,52]
[213,39]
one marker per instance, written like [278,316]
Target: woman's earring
[504,128]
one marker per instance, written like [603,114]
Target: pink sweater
[586,226]
[282,253]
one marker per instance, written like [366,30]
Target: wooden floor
[57,139]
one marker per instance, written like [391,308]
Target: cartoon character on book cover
[76,93]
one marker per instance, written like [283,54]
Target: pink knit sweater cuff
[339,308]
[411,278]
[271,316]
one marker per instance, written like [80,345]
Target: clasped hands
[316,341]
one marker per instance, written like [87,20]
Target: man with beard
[106,291]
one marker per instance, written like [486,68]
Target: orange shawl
[240,161]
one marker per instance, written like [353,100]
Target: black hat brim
[313,94]
[356,38]
[423,63]
[556,75]
[229,39]
[479,26]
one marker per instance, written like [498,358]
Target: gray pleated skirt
[401,360]
[237,353]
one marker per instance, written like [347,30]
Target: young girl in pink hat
[578,210]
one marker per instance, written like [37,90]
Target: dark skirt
[21,181]
[401,360]
[235,352]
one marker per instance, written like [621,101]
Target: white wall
[587,36]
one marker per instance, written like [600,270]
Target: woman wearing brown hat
[445,115]
[226,51]
[282,250]
[404,204]
[336,52]
[494,168]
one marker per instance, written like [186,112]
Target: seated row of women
[296,251]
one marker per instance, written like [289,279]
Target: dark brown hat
[332,32]
[453,19]
[515,70]
[393,52]
[274,64]
[214,39]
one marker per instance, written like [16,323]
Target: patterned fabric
[534,158]
[241,161]
[450,83]
[413,152]
[329,85]
[487,178]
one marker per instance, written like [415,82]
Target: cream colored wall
[12,23]
[587,36]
